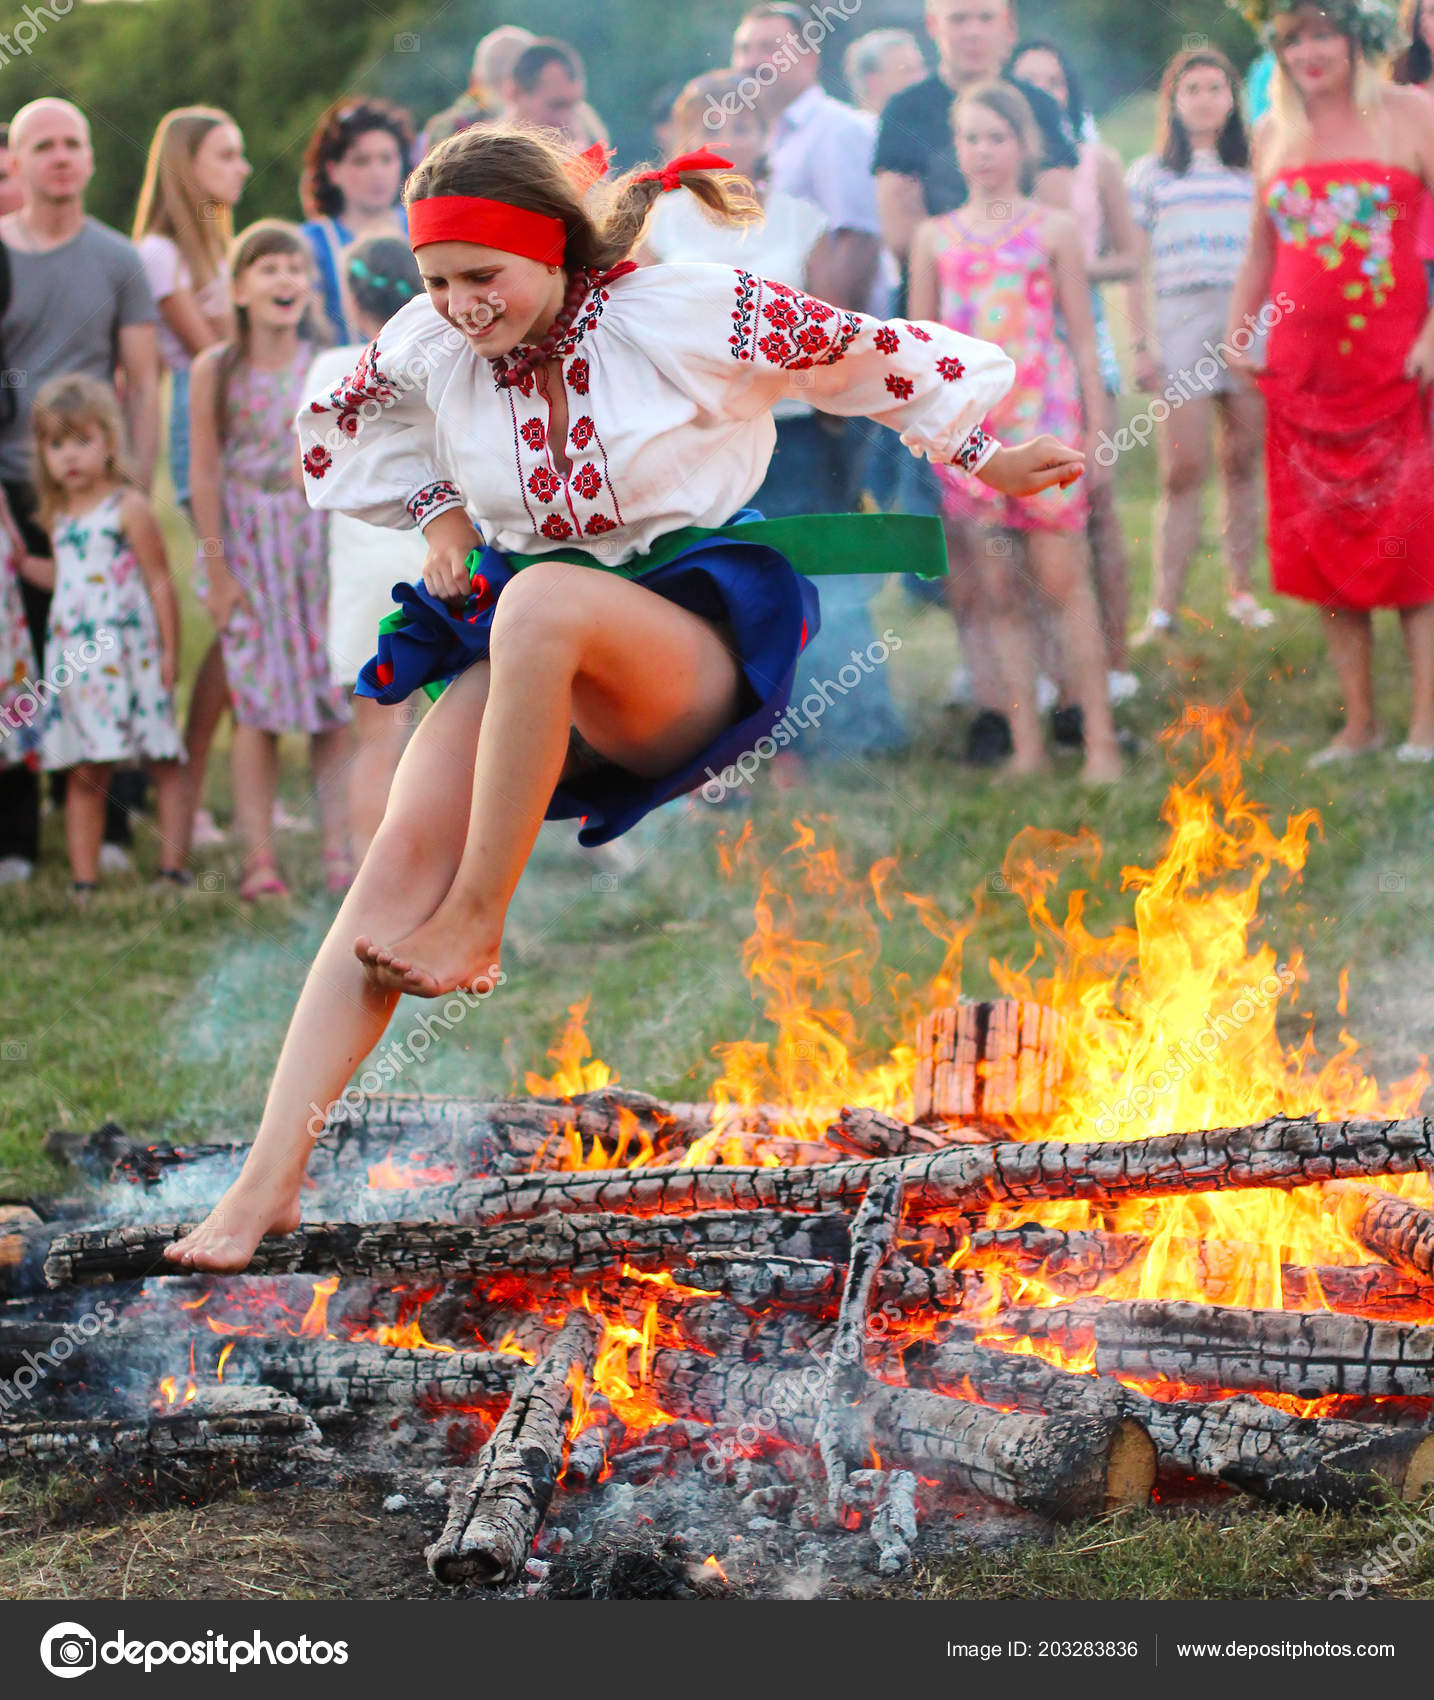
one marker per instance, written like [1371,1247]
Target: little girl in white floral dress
[112,644]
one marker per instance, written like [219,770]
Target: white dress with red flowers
[671,373]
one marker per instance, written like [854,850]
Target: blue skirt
[773,613]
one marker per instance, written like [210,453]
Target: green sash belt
[815,544]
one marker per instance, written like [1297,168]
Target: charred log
[1391,1227]
[492,1521]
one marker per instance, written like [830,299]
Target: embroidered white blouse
[670,373]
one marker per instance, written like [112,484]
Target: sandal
[339,871]
[1333,754]
[178,877]
[261,878]
[82,890]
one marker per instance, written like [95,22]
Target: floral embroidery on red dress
[800,330]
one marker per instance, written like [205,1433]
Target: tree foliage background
[275,64]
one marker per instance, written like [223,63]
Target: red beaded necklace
[579,284]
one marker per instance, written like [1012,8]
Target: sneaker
[1047,695]
[958,689]
[115,859]
[207,832]
[989,740]
[14,869]
[1249,613]
[1159,627]
[1122,686]
[1068,727]
[285,822]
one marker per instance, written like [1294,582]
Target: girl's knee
[543,603]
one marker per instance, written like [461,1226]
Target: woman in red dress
[1342,162]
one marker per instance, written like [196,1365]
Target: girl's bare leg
[1061,569]
[1013,646]
[1184,467]
[171,807]
[1351,647]
[1242,425]
[382,733]
[965,598]
[207,702]
[86,786]
[1110,560]
[1418,624]
[255,761]
[647,683]
[341,1014]
[329,756]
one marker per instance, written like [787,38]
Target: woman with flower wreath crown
[1342,162]
[605,619]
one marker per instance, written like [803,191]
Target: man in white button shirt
[820,150]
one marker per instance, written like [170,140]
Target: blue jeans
[814,471]
[179,435]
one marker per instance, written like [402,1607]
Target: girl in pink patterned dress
[263,552]
[999,269]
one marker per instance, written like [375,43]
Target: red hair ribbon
[586,167]
[491,224]
[670,177]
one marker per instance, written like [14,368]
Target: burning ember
[1124,1217]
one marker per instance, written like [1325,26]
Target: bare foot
[224,1241]
[452,948]
[1024,767]
[1102,767]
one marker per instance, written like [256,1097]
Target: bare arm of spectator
[206,491]
[1137,298]
[139,368]
[842,268]
[1120,259]
[901,204]
[1072,289]
[189,322]
[923,292]
[1252,286]
[146,539]
[1414,110]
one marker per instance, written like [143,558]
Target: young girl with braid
[605,619]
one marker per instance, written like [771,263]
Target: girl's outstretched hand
[1028,468]
[451,539]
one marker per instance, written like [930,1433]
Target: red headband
[496,224]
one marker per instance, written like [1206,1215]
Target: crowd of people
[1265,268]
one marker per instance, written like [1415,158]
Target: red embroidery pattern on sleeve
[317,461]
[972,449]
[902,388]
[887,340]
[364,384]
[441,493]
[917,332]
[789,329]
[950,368]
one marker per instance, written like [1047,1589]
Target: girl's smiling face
[275,290]
[77,454]
[496,300]
[1314,52]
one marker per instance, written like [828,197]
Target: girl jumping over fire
[605,620]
